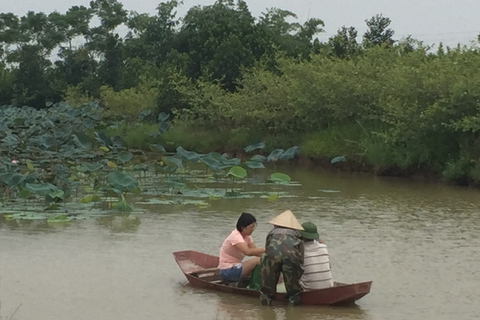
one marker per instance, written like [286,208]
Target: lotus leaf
[237,172]
[173,162]
[162,117]
[30,166]
[111,164]
[211,162]
[163,127]
[141,167]
[61,170]
[230,163]
[159,147]
[122,181]
[90,198]
[125,156]
[59,218]
[217,156]
[102,138]
[255,164]
[274,155]
[280,178]
[82,141]
[12,179]
[41,188]
[191,156]
[19,121]
[122,206]
[144,114]
[11,140]
[290,153]
[255,146]
[259,158]
[89,167]
[57,194]
[338,159]
[118,141]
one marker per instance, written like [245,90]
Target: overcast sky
[432,21]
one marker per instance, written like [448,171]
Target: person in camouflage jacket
[283,255]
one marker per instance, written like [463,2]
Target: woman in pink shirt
[235,247]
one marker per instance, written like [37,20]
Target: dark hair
[245,220]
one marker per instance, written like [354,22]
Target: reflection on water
[418,242]
[235,308]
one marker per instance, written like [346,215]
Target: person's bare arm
[249,251]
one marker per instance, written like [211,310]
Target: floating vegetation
[58,165]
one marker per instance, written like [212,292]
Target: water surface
[418,242]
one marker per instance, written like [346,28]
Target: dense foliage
[392,106]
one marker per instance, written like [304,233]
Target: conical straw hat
[286,220]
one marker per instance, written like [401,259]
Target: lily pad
[280,178]
[237,172]
[122,181]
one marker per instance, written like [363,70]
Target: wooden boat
[200,270]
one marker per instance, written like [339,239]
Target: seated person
[316,263]
[235,247]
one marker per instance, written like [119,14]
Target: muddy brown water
[418,242]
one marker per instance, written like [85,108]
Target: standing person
[316,262]
[283,254]
[235,247]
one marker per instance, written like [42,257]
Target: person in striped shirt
[316,263]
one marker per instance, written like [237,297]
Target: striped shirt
[316,265]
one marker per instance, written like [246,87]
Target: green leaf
[141,167]
[102,138]
[191,156]
[259,158]
[59,193]
[59,218]
[122,181]
[290,153]
[255,146]
[82,141]
[237,172]
[254,164]
[338,159]
[125,156]
[162,117]
[173,162]
[12,179]
[158,147]
[41,188]
[280,178]
[24,193]
[122,206]
[144,114]
[274,155]
[163,127]
[211,162]
[118,141]
[89,167]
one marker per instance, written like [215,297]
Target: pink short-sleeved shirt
[229,254]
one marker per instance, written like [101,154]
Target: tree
[151,37]
[378,32]
[27,44]
[220,40]
[290,37]
[344,44]
[105,43]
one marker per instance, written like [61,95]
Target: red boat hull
[200,271]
